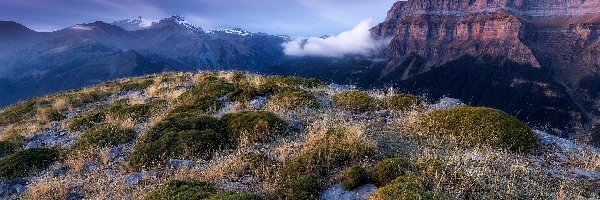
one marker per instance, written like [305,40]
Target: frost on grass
[262,159]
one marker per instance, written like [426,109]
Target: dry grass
[477,173]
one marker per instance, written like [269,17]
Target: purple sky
[290,17]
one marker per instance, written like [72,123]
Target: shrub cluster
[26,162]
[401,102]
[390,169]
[205,96]
[354,176]
[137,112]
[275,83]
[105,136]
[136,85]
[185,135]
[303,176]
[193,189]
[355,100]
[256,126]
[480,126]
[79,99]
[18,112]
[294,98]
[85,121]
[407,187]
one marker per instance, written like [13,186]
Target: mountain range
[36,63]
[535,59]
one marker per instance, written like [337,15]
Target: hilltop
[237,135]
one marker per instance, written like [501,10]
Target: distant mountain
[35,63]
[534,59]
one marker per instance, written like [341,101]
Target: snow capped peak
[235,31]
[182,21]
[134,24]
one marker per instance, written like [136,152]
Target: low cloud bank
[358,41]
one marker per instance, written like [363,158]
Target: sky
[285,17]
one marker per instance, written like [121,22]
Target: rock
[338,193]
[74,196]
[60,170]
[258,102]
[133,179]
[447,102]
[178,164]
[475,156]
[337,88]
[55,137]
[382,113]
[234,186]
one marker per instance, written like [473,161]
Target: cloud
[358,41]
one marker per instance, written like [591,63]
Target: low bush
[23,163]
[181,135]
[390,169]
[354,100]
[236,196]
[137,112]
[136,85]
[18,112]
[258,126]
[54,115]
[259,164]
[7,148]
[407,187]
[354,176]
[205,96]
[181,190]
[275,83]
[292,99]
[85,121]
[79,99]
[401,102]
[303,176]
[480,126]
[105,136]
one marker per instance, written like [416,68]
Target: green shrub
[182,190]
[256,126]
[259,164]
[300,187]
[401,102]
[85,121]
[390,169]
[480,126]
[18,112]
[182,135]
[136,85]
[354,100]
[244,93]
[303,176]
[236,196]
[137,112]
[7,148]
[291,98]
[105,136]
[275,83]
[79,99]
[23,163]
[354,176]
[407,188]
[54,115]
[205,96]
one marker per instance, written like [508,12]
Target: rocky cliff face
[560,37]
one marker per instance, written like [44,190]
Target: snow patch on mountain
[135,24]
[81,28]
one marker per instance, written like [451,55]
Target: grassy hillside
[235,135]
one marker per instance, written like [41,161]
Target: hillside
[236,135]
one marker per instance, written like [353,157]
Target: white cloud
[359,41]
